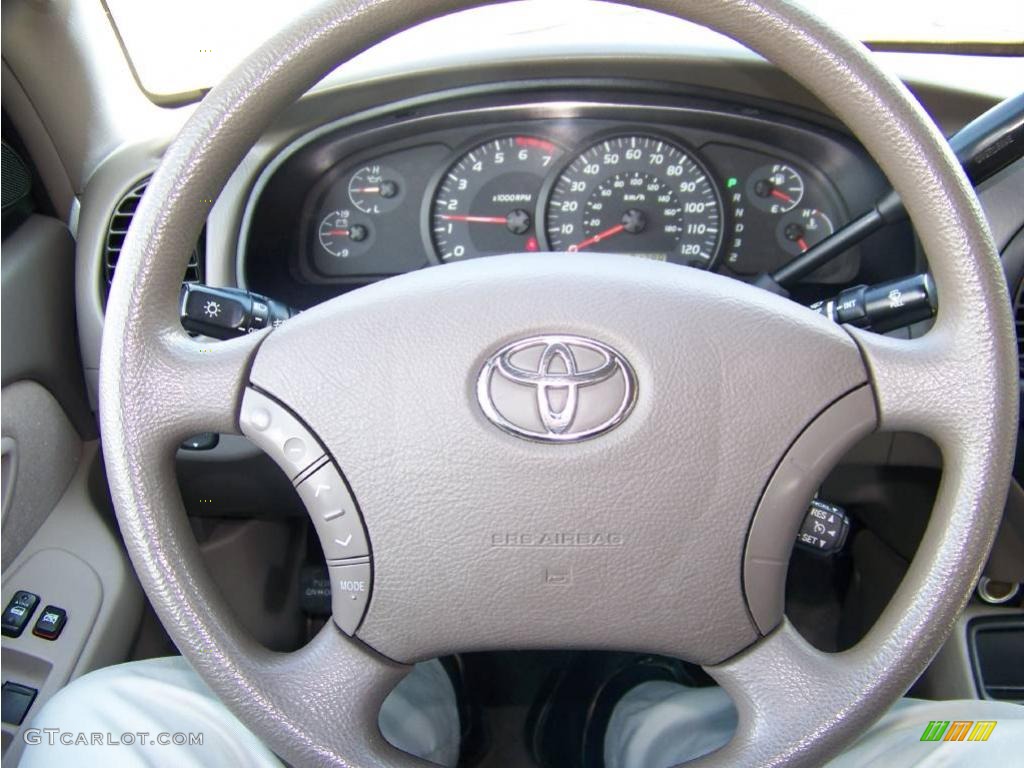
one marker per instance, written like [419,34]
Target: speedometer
[638,195]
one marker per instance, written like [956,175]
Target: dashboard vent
[118,228]
[1018,313]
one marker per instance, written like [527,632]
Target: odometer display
[637,195]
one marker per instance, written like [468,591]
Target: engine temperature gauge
[798,230]
[375,189]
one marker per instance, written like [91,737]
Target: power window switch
[18,612]
[17,699]
[50,623]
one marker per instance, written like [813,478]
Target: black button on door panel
[18,612]
[50,623]
[17,699]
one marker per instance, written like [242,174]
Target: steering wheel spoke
[792,698]
[914,383]
[916,380]
[199,383]
[337,679]
[203,386]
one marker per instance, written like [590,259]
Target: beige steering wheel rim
[957,385]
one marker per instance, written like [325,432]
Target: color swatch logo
[958,730]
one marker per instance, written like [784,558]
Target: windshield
[182,48]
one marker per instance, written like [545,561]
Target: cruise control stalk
[824,529]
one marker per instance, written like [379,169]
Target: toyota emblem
[556,388]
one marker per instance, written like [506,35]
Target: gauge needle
[367,189]
[610,232]
[776,192]
[802,243]
[342,232]
[475,219]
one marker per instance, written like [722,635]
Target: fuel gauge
[798,230]
[775,188]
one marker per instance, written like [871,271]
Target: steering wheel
[668,533]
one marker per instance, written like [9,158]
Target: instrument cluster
[728,189]
[636,193]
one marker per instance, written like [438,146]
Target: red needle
[781,195]
[475,219]
[598,237]
[802,243]
[342,232]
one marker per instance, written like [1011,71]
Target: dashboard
[413,115]
[637,170]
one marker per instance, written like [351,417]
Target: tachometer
[486,201]
[639,195]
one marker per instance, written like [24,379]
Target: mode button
[350,594]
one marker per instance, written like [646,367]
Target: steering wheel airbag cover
[458,510]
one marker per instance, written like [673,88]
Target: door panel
[59,541]
[40,342]
[45,413]
[41,453]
